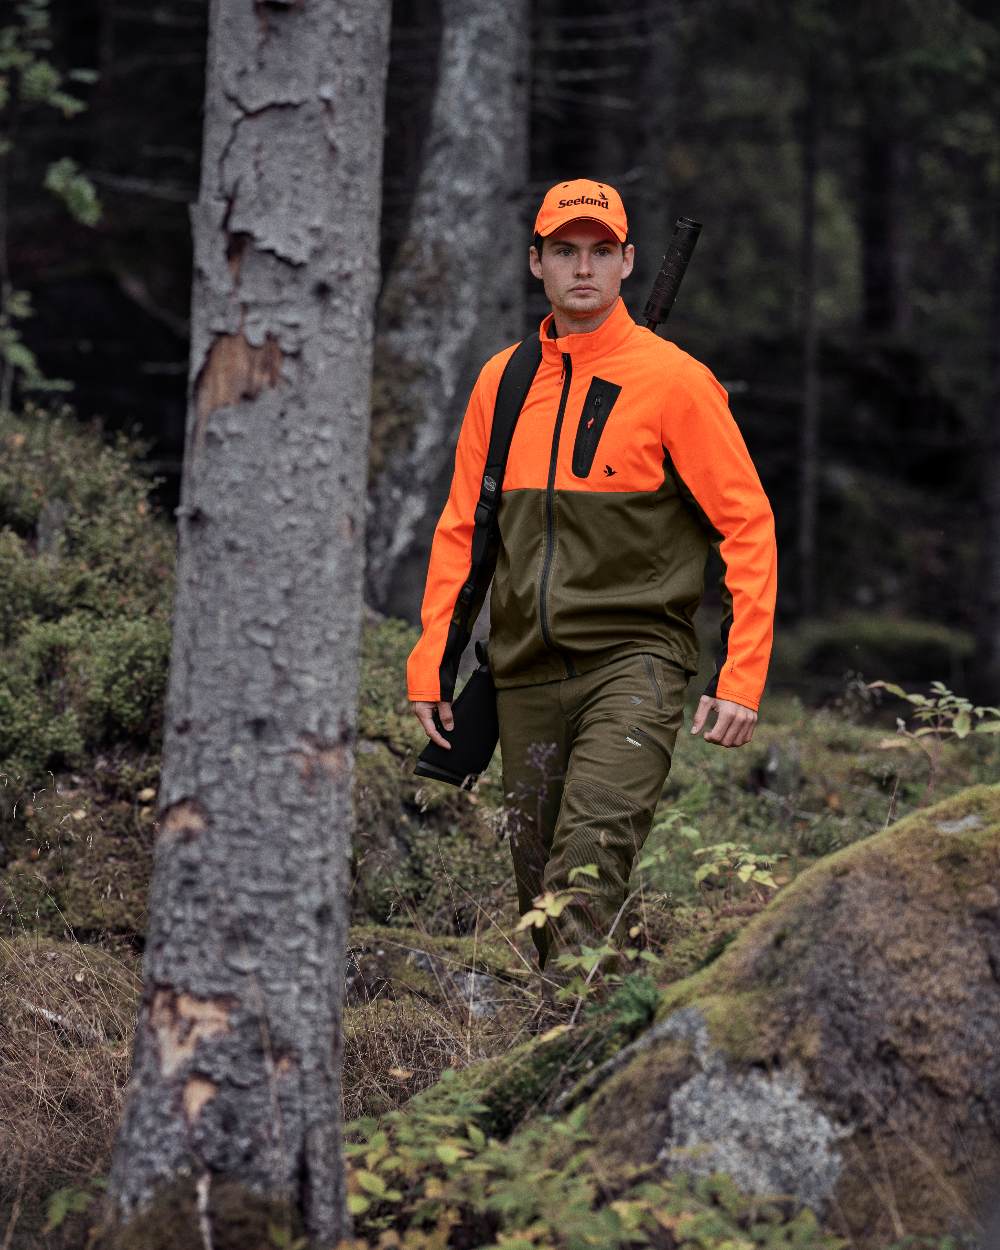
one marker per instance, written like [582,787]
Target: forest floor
[435,979]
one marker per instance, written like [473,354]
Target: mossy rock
[843,1048]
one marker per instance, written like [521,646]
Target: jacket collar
[611,333]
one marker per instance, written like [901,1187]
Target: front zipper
[550,509]
[648,661]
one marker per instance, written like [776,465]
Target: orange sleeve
[709,453]
[451,547]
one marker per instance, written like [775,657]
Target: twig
[82,1031]
[204,1223]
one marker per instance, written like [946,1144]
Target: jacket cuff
[723,691]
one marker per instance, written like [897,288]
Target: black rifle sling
[515,383]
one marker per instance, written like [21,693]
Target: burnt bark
[454,293]
[236,1073]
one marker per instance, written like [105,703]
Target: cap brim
[583,217]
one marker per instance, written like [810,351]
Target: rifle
[476,731]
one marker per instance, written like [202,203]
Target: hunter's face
[581,267]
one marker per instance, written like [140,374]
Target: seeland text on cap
[569,201]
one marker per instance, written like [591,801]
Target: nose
[583,263]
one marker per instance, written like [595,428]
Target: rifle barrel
[668,280]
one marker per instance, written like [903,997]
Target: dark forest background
[845,161]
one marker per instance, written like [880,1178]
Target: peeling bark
[454,294]
[236,1072]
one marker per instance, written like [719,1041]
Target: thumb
[701,713]
[444,711]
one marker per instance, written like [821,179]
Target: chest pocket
[601,396]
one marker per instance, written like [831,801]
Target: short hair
[539,239]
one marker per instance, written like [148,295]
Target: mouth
[583,289]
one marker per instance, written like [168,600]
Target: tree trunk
[454,295]
[988,663]
[654,126]
[236,1074]
[809,439]
[885,246]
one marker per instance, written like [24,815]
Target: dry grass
[68,1017]
[398,1038]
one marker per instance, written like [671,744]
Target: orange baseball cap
[569,201]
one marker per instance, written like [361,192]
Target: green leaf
[450,1154]
[584,870]
[988,727]
[371,1183]
[962,725]
[358,1204]
[77,192]
[62,1202]
[898,691]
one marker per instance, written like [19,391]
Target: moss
[81,853]
[626,1114]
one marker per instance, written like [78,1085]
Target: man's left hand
[733,725]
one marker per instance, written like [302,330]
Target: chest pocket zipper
[601,397]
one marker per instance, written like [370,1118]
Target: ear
[628,259]
[534,261]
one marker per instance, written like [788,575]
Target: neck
[579,325]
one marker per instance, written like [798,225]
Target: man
[625,467]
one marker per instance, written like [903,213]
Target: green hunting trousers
[584,763]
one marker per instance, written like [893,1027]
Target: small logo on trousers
[608,471]
[633,741]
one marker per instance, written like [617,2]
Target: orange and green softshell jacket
[625,467]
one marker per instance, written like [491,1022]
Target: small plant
[71,1199]
[938,717]
[734,863]
[431,1177]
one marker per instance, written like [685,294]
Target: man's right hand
[424,712]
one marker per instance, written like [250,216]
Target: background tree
[236,1073]
[454,293]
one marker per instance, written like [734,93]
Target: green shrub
[87,571]
[71,685]
[818,653]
